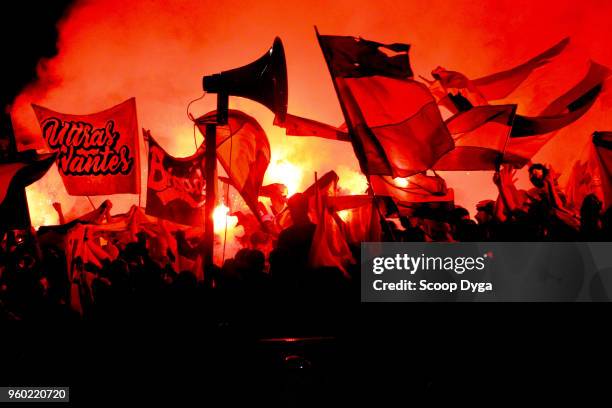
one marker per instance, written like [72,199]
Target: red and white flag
[394,122]
[244,152]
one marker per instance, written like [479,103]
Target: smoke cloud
[157,51]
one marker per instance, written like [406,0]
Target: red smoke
[157,51]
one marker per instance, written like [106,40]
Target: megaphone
[263,80]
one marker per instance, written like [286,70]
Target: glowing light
[41,210]
[401,182]
[219,215]
[345,215]
[282,171]
[354,182]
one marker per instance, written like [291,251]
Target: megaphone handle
[222,108]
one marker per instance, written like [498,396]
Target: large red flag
[98,154]
[243,150]
[394,123]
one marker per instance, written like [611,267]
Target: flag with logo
[176,187]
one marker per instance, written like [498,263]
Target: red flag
[481,135]
[318,192]
[596,74]
[98,154]
[419,188]
[450,85]
[329,247]
[176,187]
[324,187]
[540,125]
[243,150]
[567,108]
[298,126]
[347,202]
[602,141]
[394,122]
[530,134]
[277,193]
[360,216]
[457,92]
[501,84]
[592,172]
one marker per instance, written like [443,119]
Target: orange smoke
[157,51]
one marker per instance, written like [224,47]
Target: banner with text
[97,153]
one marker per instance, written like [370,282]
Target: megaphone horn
[263,80]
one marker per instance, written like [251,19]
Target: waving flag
[361,217]
[324,187]
[394,123]
[98,154]
[457,92]
[329,247]
[277,193]
[176,187]
[419,188]
[298,126]
[566,109]
[501,84]
[530,134]
[481,136]
[243,150]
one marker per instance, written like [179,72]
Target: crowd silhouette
[273,267]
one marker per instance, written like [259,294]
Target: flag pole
[91,202]
[503,153]
[210,167]
[227,198]
[144,145]
[317,198]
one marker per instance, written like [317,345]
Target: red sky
[158,51]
